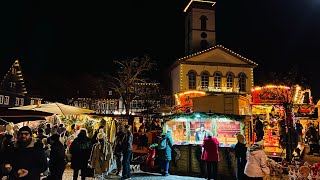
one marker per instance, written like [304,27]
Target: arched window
[242,82]
[192,79]
[217,80]
[204,79]
[203,20]
[230,77]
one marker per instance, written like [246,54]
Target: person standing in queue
[165,148]
[126,151]
[240,150]
[118,149]
[210,154]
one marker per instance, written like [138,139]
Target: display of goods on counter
[295,170]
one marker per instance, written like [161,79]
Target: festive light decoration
[204,1]
[254,64]
[181,76]
[16,67]
[185,98]
[271,94]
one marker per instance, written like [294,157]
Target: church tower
[200,31]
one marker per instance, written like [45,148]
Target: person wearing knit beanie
[29,159]
[25,129]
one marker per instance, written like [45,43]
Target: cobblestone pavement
[67,175]
[137,176]
[155,176]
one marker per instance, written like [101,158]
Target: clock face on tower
[204,35]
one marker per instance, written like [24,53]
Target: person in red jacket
[210,154]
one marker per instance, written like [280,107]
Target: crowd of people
[31,154]
[41,153]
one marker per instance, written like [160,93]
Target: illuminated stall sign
[184,99]
[226,131]
[193,128]
[271,94]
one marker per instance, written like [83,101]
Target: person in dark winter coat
[57,160]
[29,159]
[312,139]
[240,150]
[48,130]
[80,150]
[126,151]
[41,134]
[164,154]
[118,148]
[6,152]
[259,129]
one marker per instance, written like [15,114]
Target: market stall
[278,108]
[188,132]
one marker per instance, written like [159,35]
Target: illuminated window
[6,100]
[103,105]
[242,82]
[230,80]
[111,105]
[110,93]
[217,80]
[1,99]
[204,79]
[12,84]
[17,101]
[192,80]
[13,71]
[134,104]
[21,101]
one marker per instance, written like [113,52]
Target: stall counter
[186,161]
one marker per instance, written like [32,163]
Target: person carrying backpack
[164,152]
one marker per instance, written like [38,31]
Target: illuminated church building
[208,69]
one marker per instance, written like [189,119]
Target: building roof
[199,4]
[228,51]
[6,72]
[28,84]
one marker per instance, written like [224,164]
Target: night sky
[73,37]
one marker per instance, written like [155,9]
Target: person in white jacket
[256,166]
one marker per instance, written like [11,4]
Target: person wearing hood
[256,166]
